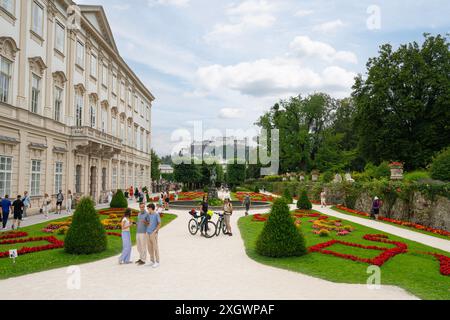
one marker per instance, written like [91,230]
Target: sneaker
[230,234]
[151,264]
[140,263]
[155,265]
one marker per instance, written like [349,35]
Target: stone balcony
[90,141]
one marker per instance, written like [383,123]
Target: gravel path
[192,268]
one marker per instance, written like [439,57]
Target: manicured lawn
[52,259]
[417,273]
[393,224]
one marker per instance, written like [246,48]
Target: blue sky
[226,62]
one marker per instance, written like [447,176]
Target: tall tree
[156,173]
[403,103]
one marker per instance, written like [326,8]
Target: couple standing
[148,225]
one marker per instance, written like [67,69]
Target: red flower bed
[114,234]
[260,217]
[54,244]
[399,222]
[445,264]
[254,196]
[378,261]
[13,235]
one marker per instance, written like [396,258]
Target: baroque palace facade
[73,115]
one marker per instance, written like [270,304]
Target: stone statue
[337,178]
[348,177]
[213,177]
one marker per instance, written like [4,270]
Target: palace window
[114,178]
[59,37]
[8,5]
[58,103]
[104,119]
[122,177]
[103,179]
[93,115]
[122,131]
[80,54]
[114,84]
[58,176]
[35,187]
[78,179]
[114,127]
[78,110]
[130,135]
[93,66]
[35,93]
[105,75]
[137,136]
[5,79]
[37,19]
[5,175]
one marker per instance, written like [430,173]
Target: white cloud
[329,26]
[248,16]
[303,13]
[272,77]
[175,3]
[303,46]
[231,113]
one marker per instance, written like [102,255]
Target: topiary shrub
[287,196]
[280,237]
[303,202]
[119,201]
[440,168]
[86,234]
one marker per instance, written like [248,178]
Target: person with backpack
[18,212]
[59,202]
[5,205]
[376,205]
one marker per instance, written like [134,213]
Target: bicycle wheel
[224,228]
[193,227]
[210,229]
[218,227]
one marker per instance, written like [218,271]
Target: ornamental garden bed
[439,233]
[41,250]
[417,268]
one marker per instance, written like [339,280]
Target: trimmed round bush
[287,196]
[86,234]
[280,237]
[119,201]
[303,202]
[440,168]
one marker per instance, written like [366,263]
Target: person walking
[376,205]
[136,194]
[227,213]
[167,201]
[69,202]
[152,235]
[18,212]
[323,199]
[125,257]
[204,212]
[247,202]
[143,221]
[26,204]
[5,205]
[46,202]
[59,202]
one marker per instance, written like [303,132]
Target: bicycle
[220,226]
[194,225]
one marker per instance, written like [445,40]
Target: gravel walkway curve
[191,268]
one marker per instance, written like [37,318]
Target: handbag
[41,210]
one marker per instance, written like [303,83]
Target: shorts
[167,200]
[59,204]
[18,216]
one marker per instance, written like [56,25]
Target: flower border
[54,244]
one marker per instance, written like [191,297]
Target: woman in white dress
[46,205]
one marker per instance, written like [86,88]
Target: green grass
[393,224]
[52,259]
[416,273]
